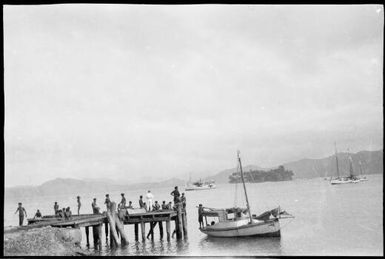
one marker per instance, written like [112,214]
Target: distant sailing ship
[200,185]
[348,179]
[239,222]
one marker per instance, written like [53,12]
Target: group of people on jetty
[148,205]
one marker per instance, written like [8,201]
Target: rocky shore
[44,241]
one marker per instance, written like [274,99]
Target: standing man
[183,199]
[149,197]
[175,193]
[56,208]
[21,211]
[123,201]
[79,204]
[141,204]
[107,201]
[95,208]
[200,216]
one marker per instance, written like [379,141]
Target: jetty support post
[95,235]
[100,231]
[143,229]
[179,221]
[160,229]
[87,235]
[168,229]
[184,219]
[111,220]
[120,228]
[136,232]
[106,231]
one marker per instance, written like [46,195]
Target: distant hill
[371,163]
[61,186]
[223,176]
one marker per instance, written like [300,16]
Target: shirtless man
[21,211]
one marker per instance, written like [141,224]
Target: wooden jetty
[114,222]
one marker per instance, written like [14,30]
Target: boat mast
[338,171]
[244,186]
[350,164]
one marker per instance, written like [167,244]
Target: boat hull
[335,182]
[270,228]
[195,188]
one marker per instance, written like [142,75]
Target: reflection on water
[160,247]
[242,245]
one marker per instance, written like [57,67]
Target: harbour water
[329,220]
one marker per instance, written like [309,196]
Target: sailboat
[239,222]
[342,180]
[361,177]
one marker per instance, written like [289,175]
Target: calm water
[329,220]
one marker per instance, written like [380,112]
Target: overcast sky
[144,93]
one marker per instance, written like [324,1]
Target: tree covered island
[258,176]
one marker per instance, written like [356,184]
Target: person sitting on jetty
[56,208]
[95,207]
[164,205]
[79,204]
[130,205]
[149,197]
[22,212]
[200,216]
[122,203]
[141,203]
[169,206]
[145,206]
[156,206]
[183,200]
[68,213]
[37,214]
[175,193]
[63,213]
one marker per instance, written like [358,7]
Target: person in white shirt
[149,197]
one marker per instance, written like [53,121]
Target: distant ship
[348,179]
[199,185]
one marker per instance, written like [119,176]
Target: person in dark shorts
[22,212]
[175,193]
[141,203]
[37,215]
[164,205]
[183,199]
[95,208]
[107,201]
[56,208]
[200,216]
[79,204]
[123,201]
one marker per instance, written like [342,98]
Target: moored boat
[239,222]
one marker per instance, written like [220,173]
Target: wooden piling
[184,219]
[87,236]
[168,229]
[136,231]
[143,228]
[106,231]
[95,235]
[100,231]
[160,229]
[179,221]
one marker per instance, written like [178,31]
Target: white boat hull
[344,181]
[196,188]
[242,228]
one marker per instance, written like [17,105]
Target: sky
[148,92]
